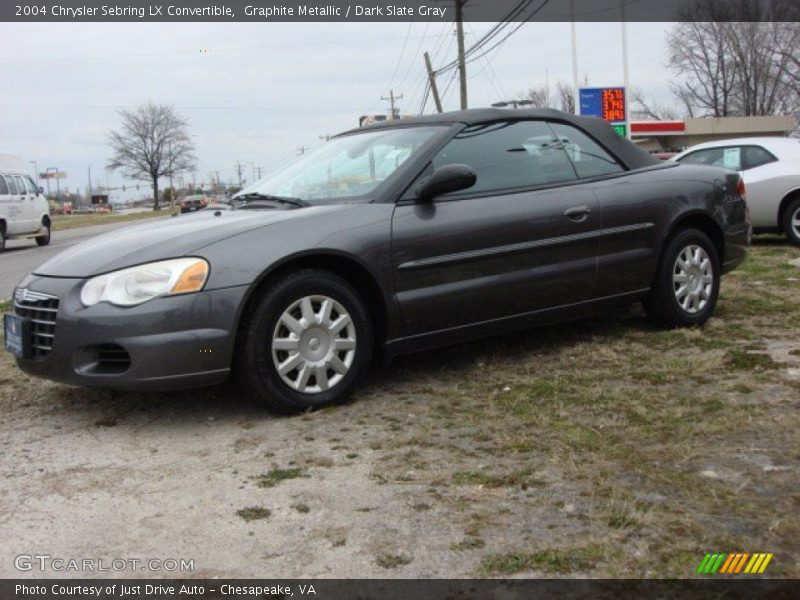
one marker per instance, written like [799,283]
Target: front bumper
[176,342]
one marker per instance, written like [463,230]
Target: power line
[421,81]
[425,98]
[402,53]
[449,83]
[442,39]
[512,32]
[493,32]
[413,62]
[493,79]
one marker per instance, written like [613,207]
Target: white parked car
[770,167]
[24,211]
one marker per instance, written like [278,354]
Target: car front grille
[41,310]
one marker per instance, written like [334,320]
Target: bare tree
[153,141]
[566,97]
[735,57]
[685,98]
[643,108]
[698,52]
[540,97]
[793,70]
[762,55]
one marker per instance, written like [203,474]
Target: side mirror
[444,180]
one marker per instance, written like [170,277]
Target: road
[22,256]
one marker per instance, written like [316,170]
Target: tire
[791,222]
[2,236]
[287,327]
[44,240]
[686,285]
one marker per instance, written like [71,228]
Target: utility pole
[171,186]
[89,187]
[462,64]
[432,81]
[391,100]
[625,69]
[574,56]
[238,173]
[47,172]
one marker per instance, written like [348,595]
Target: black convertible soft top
[631,156]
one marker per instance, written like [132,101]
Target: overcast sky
[259,91]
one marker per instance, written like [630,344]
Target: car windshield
[345,167]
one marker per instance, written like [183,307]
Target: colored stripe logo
[735,563]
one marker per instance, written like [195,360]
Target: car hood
[164,238]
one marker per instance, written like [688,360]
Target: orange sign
[613,104]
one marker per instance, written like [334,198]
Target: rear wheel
[687,283]
[791,221]
[44,239]
[306,343]
[2,236]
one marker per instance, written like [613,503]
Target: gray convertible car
[388,239]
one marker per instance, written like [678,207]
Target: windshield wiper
[297,202]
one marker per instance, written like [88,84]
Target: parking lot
[599,448]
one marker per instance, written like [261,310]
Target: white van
[24,211]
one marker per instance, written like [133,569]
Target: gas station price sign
[613,104]
[607,103]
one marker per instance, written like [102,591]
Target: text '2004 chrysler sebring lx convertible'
[388,239]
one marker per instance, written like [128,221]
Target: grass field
[61,222]
[605,448]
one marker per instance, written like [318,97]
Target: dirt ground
[604,448]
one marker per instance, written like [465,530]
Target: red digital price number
[614,104]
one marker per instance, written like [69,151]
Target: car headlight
[139,284]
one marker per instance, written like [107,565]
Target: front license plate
[14,329]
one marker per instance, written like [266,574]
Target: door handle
[577,213]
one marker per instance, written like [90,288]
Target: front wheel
[44,239]
[306,343]
[791,222]
[686,286]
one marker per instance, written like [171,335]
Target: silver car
[770,167]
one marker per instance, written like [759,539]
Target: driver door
[517,242]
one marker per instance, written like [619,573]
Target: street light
[512,103]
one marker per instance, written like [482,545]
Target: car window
[3,186]
[30,185]
[20,184]
[509,155]
[12,185]
[588,157]
[347,166]
[729,158]
[756,156]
